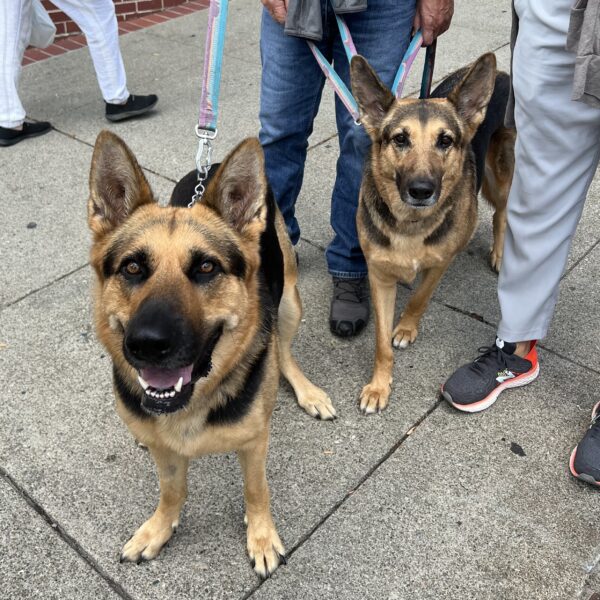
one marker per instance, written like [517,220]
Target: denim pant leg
[290,93]
[381,34]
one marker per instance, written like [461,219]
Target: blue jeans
[290,94]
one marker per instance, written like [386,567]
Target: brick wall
[125,9]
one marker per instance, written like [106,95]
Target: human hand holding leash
[432,17]
[277,9]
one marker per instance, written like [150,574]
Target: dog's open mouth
[164,383]
[166,390]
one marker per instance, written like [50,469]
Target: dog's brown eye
[207,267]
[445,141]
[132,268]
[401,140]
[204,270]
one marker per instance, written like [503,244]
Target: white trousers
[95,18]
[557,152]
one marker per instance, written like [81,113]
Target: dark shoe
[349,306]
[9,137]
[476,386]
[585,458]
[134,107]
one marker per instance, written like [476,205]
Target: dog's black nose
[158,335]
[150,343]
[421,189]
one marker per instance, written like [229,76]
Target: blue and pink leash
[206,129]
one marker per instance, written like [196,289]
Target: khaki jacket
[304,16]
[583,39]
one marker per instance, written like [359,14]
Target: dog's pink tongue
[162,379]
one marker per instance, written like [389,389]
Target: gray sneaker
[349,306]
[585,458]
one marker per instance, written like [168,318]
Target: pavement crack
[44,287]
[64,536]
[580,260]
[409,432]
[479,318]
[313,244]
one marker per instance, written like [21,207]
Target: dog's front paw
[317,404]
[374,398]
[404,333]
[148,540]
[265,549]
[496,259]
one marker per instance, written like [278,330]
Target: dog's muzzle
[169,356]
[419,193]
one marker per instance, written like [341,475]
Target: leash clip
[203,161]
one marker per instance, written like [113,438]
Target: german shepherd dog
[197,308]
[418,200]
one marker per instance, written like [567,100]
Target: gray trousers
[557,152]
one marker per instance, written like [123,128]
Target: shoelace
[350,290]
[489,356]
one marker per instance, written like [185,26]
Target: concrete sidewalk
[418,502]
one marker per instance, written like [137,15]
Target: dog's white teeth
[179,385]
[148,393]
[173,394]
[143,382]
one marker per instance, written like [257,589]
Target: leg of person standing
[290,94]
[381,34]
[556,156]
[98,22]
[15,30]
[291,89]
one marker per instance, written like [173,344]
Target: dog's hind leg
[405,332]
[499,167]
[310,397]
[149,539]
[264,546]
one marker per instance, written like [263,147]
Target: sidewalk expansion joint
[580,260]
[313,244]
[75,138]
[44,287]
[64,536]
[409,432]
[479,318]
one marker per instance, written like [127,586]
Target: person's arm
[432,17]
[277,9]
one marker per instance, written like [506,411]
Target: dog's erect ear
[117,184]
[472,95]
[373,98]
[238,190]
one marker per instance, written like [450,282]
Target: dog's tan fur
[124,216]
[400,241]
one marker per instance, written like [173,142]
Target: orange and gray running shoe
[476,386]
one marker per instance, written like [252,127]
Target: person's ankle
[523,348]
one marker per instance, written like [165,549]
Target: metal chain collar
[203,162]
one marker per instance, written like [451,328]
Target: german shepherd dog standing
[418,200]
[197,308]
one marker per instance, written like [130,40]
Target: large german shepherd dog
[418,200]
[197,308]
